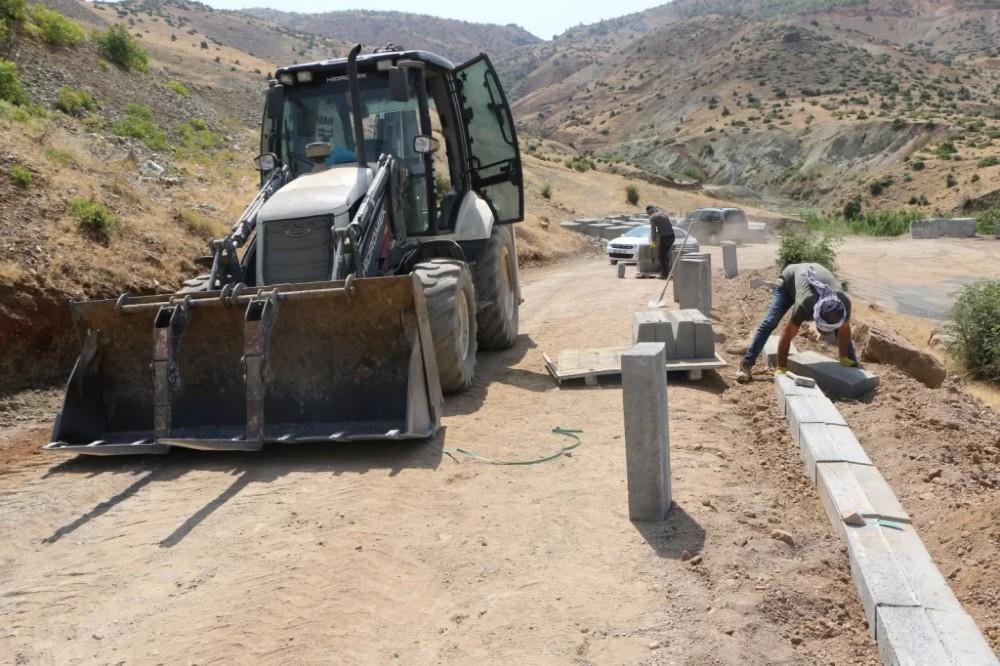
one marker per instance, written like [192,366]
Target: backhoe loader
[355,289]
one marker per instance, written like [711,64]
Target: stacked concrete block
[614,231]
[572,226]
[912,613]
[962,227]
[596,229]
[655,326]
[647,438]
[833,378]
[647,263]
[685,334]
[729,267]
[693,282]
[771,350]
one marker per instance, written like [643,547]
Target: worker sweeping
[812,293]
[661,236]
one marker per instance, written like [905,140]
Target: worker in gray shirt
[661,236]
[812,293]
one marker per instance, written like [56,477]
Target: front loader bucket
[231,370]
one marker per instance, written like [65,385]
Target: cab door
[494,161]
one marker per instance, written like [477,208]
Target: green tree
[118,46]
[11,89]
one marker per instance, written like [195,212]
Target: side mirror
[266,162]
[425,144]
[275,102]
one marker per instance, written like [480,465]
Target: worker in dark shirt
[661,235]
[812,293]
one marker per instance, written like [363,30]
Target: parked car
[626,248]
[718,224]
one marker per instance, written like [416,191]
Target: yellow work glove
[780,371]
[846,362]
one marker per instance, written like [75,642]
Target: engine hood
[329,192]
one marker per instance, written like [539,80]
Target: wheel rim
[508,284]
[463,325]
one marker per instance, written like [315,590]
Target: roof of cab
[369,58]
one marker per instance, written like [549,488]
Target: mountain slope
[458,40]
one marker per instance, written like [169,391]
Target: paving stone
[846,488]
[961,638]
[924,578]
[572,226]
[647,439]
[695,283]
[654,326]
[801,409]
[621,270]
[683,329]
[825,443]
[879,579]
[729,265]
[906,637]
[771,350]
[704,336]
[785,387]
[832,377]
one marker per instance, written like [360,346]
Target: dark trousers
[663,246]
[781,302]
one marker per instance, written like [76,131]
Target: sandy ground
[414,554]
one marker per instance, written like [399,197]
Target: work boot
[745,375]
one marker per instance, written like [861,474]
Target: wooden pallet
[590,364]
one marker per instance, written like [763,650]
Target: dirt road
[414,554]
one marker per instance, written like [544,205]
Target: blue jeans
[781,302]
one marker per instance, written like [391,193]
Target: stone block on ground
[614,231]
[785,387]
[684,333]
[826,443]
[647,439]
[729,264]
[621,270]
[961,638]
[646,263]
[771,350]
[802,409]
[596,229]
[704,336]
[654,326]
[572,226]
[879,579]
[878,345]
[960,227]
[852,488]
[906,636]
[833,378]
[695,283]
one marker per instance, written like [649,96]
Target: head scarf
[827,302]
[651,209]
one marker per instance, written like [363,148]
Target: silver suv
[718,224]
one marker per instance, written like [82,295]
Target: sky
[544,18]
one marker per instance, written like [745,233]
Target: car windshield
[711,215]
[321,111]
[638,231]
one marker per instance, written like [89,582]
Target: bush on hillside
[852,209]
[12,11]
[179,88]
[93,215]
[975,324]
[796,248]
[139,123]
[11,89]
[632,194]
[546,191]
[988,221]
[121,48]
[55,28]
[75,102]
[21,176]
[198,137]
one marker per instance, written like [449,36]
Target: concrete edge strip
[912,613]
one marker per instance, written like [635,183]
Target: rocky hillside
[784,99]
[458,40]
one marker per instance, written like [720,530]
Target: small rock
[728,632]
[933,474]
[853,518]
[685,556]
[653,645]
[695,561]
[796,640]
[706,502]
[782,535]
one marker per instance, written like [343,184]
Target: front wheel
[451,309]
[498,290]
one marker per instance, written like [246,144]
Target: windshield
[638,231]
[321,111]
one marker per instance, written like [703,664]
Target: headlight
[304,76]
[286,78]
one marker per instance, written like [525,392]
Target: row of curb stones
[912,613]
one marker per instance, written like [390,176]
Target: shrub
[852,209]
[691,173]
[632,194]
[918,165]
[55,28]
[118,46]
[975,324]
[179,88]
[798,248]
[138,123]
[59,157]
[197,137]
[869,223]
[93,216]
[11,89]
[21,176]
[546,191]
[951,181]
[879,186]
[581,164]
[12,11]
[75,102]
[198,224]
[987,221]
[992,160]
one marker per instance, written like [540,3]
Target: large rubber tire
[451,308]
[498,290]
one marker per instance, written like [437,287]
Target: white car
[626,248]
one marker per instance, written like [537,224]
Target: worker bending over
[661,235]
[812,293]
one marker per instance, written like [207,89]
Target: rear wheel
[498,290]
[451,309]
